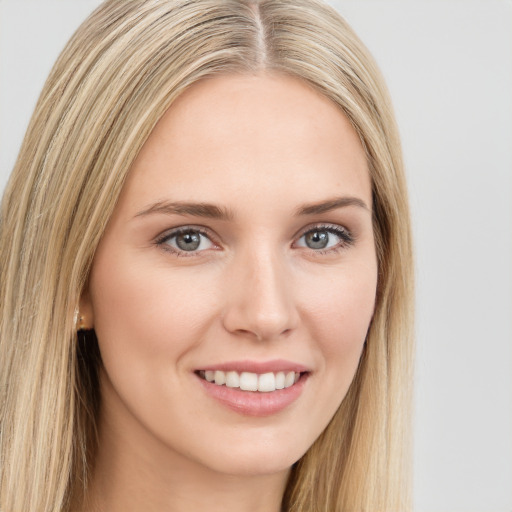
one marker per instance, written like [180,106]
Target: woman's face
[241,249]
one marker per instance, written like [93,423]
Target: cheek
[142,312]
[340,314]
[341,308]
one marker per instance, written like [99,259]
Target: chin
[254,464]
[257,457]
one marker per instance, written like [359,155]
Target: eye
[186,240]
[324,238]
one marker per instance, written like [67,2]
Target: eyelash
[346,239]
[162,240]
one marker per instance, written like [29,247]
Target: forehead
[239,135]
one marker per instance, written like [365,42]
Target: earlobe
[84,316]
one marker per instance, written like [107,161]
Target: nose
[260,300]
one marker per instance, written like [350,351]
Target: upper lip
[275,365]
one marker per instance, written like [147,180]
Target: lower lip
[255,403]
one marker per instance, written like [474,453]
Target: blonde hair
[119,73]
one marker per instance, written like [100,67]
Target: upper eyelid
[323,225]
[169,233]
[208,231]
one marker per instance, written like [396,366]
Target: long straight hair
[117,76]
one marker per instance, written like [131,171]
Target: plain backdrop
[448,64]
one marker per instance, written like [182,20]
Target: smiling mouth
[248,381]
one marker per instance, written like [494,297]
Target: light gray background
[448,64]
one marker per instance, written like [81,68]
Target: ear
[85,320]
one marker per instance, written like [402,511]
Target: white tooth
[209,375]
[232,380]
[266,382]
[289,379]
[297,377]
[279,380]
[249,381]
[220,377]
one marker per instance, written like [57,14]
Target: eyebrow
[212,211]
[331,204]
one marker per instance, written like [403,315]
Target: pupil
[317,239]
[188,241]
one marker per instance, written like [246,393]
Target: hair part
[117,76]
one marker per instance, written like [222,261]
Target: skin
[262,147]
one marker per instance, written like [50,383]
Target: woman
[206,269]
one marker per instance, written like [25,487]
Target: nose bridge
[260,299]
